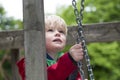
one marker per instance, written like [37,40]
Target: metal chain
[79,18]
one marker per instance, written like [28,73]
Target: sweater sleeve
[21,68]
[62,69]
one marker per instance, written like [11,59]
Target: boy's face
[55,39]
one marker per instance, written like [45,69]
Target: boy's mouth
[57,40]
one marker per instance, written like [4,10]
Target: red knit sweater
[58,71]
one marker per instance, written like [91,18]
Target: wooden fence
[102,32]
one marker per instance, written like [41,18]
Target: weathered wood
[14,58]
[11,39]
[103,32]
[34,40]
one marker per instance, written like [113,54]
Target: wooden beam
[11,39]
[34,40]
[14,58]
[102,32]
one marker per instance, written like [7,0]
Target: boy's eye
[61,32]
[50,30]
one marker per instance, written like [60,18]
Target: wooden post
[34,40]
[14,58]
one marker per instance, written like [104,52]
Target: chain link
[79,18]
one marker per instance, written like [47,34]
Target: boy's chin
[59,48]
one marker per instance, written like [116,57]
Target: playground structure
[32,39]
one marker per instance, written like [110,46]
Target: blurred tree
[104,56]
[8,23]
[94,11]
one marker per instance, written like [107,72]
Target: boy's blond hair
[53,21]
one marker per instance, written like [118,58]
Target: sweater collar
[48,57]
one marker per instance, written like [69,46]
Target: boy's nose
[57,33]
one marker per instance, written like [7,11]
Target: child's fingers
[78,46]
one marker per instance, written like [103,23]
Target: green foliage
[94,11]
[67,14]
[5,65]
[8,23]
[101,11]
[104,56]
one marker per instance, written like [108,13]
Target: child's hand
[76,52]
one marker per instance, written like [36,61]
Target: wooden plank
[11,39]
[102,32]
[14,58]
[34,40]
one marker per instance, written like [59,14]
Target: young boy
[59,66]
